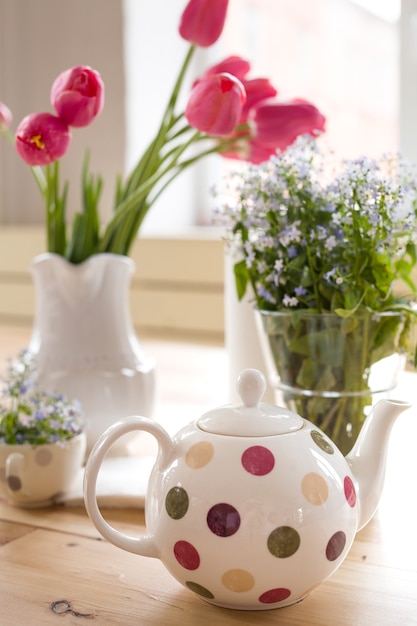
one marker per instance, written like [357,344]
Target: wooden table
[55,568]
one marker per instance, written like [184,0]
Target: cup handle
[144,545]
[14,473]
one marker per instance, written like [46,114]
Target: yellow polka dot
[314,488]
[199,454]
[238,580]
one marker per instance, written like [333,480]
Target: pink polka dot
[258,460]
[275,595]
[186,555]
[350,493]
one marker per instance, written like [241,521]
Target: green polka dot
[176,502]
[321,442]
[202,591]
[283,542]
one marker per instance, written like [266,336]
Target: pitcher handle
[144,545]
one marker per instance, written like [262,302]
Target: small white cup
[32,476]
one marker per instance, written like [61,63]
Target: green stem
[147,162]
[162,161]
[40,179]
[315,280]
[122,229]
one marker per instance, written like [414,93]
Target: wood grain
[10,531]
[56,569]
[110,586]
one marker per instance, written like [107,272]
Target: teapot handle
[144,545]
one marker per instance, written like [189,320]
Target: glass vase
[331,370]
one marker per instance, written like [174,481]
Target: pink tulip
[235,65]
[42,138]
[5,116]
[215,105]
[78,95]
[273,126]
[202,21]
[278,124]
[257,89]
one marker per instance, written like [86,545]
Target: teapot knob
[251,385]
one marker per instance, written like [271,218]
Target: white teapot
[251,506]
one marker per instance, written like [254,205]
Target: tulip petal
[202,21]
[257,89]
[5,116]
[235,65]
[278,124]
[215,105]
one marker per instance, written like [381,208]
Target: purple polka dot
[350,493]
[275,595]
[223,519]
[186,555]
[336,546]
[258,460]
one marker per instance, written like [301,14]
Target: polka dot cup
[249,507]
[34,476]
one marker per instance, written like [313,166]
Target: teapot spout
[367,459]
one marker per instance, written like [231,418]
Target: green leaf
[325,346]
[55,204]
[308,377]
[241,278]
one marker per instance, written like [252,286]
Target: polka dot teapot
[251,506]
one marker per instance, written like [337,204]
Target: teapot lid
[252,418]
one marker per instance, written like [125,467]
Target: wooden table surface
[56,569]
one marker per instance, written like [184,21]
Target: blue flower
[343,230]
[264,293]
[300,291]
[292,251]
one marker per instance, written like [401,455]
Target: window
[343,55]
